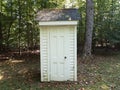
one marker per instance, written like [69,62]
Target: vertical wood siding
[72,50]
[44,53]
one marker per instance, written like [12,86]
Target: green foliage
[81,25]
[107,22]
[18,27]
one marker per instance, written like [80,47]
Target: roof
[58,15]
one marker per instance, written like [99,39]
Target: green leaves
[17,21]
[107,21]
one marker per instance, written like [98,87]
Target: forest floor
[23,73]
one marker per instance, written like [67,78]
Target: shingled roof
[58,15]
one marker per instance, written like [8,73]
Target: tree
[18,28]
[89,28]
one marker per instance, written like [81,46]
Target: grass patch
[102,73]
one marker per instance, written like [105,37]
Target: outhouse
[58,44]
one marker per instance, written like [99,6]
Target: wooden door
[59,63]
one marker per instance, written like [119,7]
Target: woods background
[20,32]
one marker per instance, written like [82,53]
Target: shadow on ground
[23,73]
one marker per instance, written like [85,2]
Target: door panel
[58,59]
[53,55]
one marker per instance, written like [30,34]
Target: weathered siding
[72,54]
[44,53]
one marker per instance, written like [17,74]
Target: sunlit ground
[100,73]
[16,61]
[1,77]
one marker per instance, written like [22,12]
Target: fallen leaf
[105,87]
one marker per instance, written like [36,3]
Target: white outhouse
[58,44]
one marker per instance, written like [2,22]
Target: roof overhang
[56,23]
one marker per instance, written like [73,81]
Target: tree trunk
[89,28]
[19,22]
[1,38]
[8,35]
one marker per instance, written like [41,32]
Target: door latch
[65,57]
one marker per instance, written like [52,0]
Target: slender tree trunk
[89,28]
[19,22]
[10,24]
[8,34]
[1,38]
